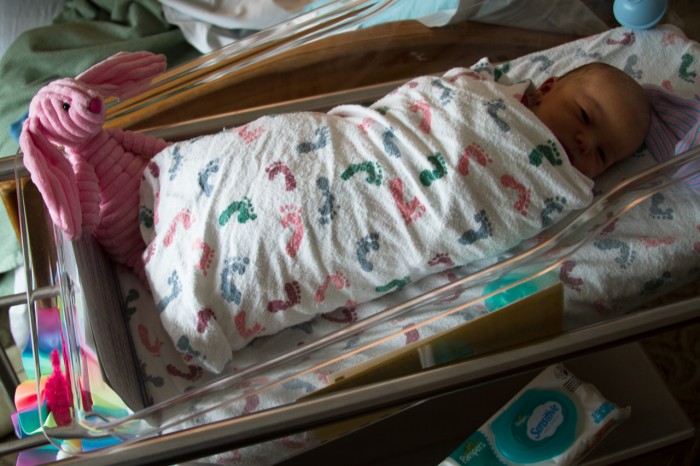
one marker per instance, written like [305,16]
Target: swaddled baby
[262,227]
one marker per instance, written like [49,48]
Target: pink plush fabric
[89,177]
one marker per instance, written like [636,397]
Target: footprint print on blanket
[365,246]
[390,143]
[293,292]
[626,256]
[652,286]
[338,280]
[232,267]
[175,164]
[247,333]
[684,72]
[426,114]
[522,204]
[327,209]
[447,94]
[427,177]
[175,290]
[291,218]
[411,210]
[656,211]
[472,152]
[492,108]
[373,170]
[245,211]
[320,142]
[203,177]
[396,284]
[547,151]
[184,218]
[552,205]
[485,230]
[279,167]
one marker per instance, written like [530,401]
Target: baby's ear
[548,85]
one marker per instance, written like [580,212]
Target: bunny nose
[95,105]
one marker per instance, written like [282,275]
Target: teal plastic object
[515,293]
[537,426]
[639,14]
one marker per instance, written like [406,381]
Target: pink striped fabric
[675,125]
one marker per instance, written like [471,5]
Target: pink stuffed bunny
[89,176]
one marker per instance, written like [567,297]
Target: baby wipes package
[554,420]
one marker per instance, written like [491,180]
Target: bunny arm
[53,176]
[138,143]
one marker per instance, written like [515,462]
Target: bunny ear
[125,74]
[53,175]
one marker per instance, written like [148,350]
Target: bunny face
[69,111]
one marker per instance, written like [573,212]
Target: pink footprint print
[364,125]
[567,279]
[650,242]
[523,202]
[247,333]
[249,135]
[203,317]
[194,372]
[291,218]
[442,258]
[206,258]
[280,167]
[411,335]
[153,348]
[337,279]
[411,210]
[472,151]
[293,292]
[426,115]
[183,218]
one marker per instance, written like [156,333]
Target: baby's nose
[583,141]
[95,105]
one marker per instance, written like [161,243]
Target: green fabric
[83,33]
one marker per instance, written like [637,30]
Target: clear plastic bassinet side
[227,397]
[101,420]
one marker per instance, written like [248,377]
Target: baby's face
[595,122]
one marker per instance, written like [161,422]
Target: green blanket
[84,32]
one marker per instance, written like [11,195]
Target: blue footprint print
[229,291]
[203,177]
[319,143]
[183,344]
[327,210]
[446,96]
[626,255]
[175,290]
[176,163]
[389,141]
[552,205]
[492,108]
[630,67]
[364,246]
[485,230]
[656,211]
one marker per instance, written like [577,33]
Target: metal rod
[307,414]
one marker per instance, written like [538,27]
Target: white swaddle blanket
[263,227]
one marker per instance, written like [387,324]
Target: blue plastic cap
[639,14]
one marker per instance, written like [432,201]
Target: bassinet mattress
[642,254]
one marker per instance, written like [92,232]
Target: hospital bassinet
[127,412]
